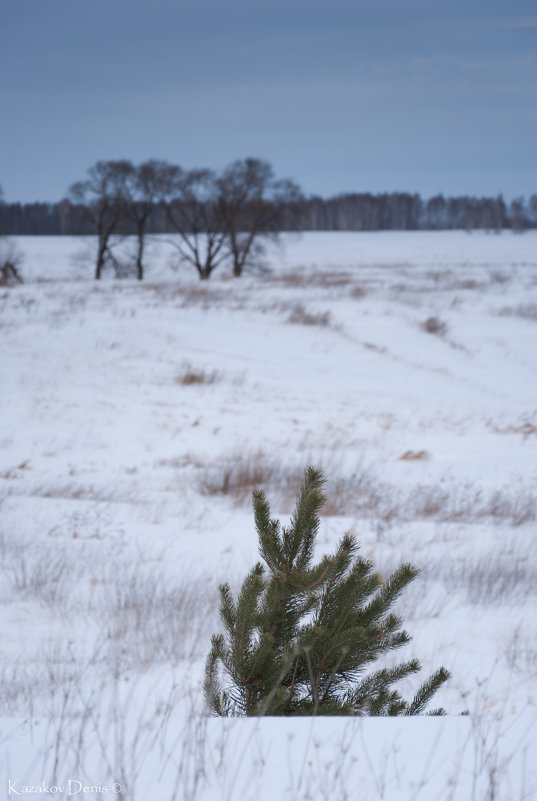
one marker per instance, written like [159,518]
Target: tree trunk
[139,264]
[100,260]
[204,269]
[237,268]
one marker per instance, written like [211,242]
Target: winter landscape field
[136,418]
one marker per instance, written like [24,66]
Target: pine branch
[426,692]
[370,687]
[228,613]
[305,520]
[389,592]
[397,582]
[242,636]
[211,687]
[268,532]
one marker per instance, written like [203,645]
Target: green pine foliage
[300,637]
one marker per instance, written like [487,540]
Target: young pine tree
[300,636]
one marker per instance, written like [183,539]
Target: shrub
[299,637]
[192,375]
[300,316]
[433,325]
[10,259]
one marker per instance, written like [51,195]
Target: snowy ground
[135,419]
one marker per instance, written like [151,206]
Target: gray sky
[346,95]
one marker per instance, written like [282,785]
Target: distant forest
[396,211]
[157,197]
[224,216]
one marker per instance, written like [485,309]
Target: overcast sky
[341,95]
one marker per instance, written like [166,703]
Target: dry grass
[360,492]
[37,572]
[469,283]
[499,277]
[324,279]
[300,316]
[149,619]
[30,688]
[124,492]
[239,475]
[16,472]
[466,502]
[414,456]
[187,294]
[499,580]
[521,653]
[192,375]
[376,348]
[364,494]
[526,429]
[135,741]
[526,311]
[357,494]
[433,325]
[134,617]
[46,578]
[180,462]
[437,281]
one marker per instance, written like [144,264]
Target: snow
[117,527]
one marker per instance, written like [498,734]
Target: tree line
[402,211]
[224,216]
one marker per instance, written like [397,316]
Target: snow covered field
[135,420]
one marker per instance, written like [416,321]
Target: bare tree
[103,197]
[194,213]
[10,260]
[145,185]
[252,204]
[10,256]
